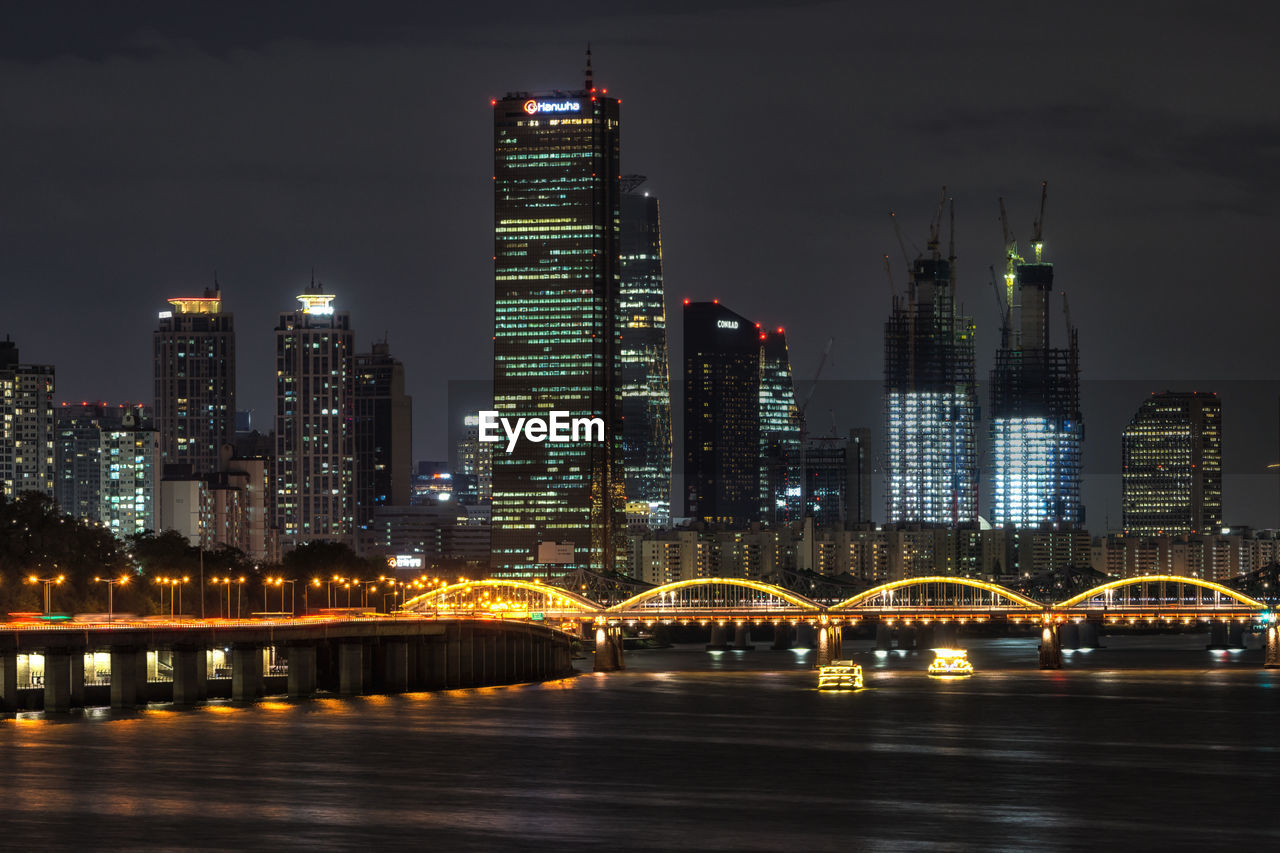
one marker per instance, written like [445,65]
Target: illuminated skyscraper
[28,432]
[314,409]
[557,226]
[1037,430]
[195,381]
[722,461]
[129,460]
[931,400]
[780,487]
[1172,478]
[643,379]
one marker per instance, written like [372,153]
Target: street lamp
[49,584]
[239,591]
[112,583]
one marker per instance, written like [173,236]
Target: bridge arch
[1148,591]
[940,591]
[705,594]
[499,596]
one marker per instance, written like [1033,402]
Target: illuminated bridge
[937,603]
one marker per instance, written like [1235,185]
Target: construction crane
[1002,308]
[1066,315]
[1038,226]
[902,243]
[1011,256]
[935,225]
[893,291]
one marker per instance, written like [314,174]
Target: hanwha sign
[533,107]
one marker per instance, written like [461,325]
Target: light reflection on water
[1149,742]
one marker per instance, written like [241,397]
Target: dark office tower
[27,426]
[781,494]
[643,378]
[382,433]
[555,342]
[1172,476]
[931,399]
[195,381]
[721,415]
[314,410]
[1037,430]
[837,488]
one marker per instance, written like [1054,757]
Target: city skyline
[261,273]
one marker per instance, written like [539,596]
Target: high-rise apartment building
[195,381]
[643,378]
[781,489]
[722,461]
[557,228]
[314,408]
[28,431]
[837,483]
[129,465]
[382,433]
[78,489]
[1172,475]
[931,400]
[473,467]
[1037,430]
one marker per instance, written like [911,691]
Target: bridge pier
[1088,632]
[57,679]
[1235,635]
[906,638]
[128,677]
[9,681]
[395,666]
[719,638]
[1272,637]
[782,636]
[608,649]
[246,671]
[351,668]
[884,637]
[302,670]
[190,675]
[925,637]
[1217,635]
[945,635]
[824,646]
[1069,635]
[1050,647]
[742,638]
[804,636]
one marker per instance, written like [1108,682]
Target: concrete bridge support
[719,638]
[804,636]
[57,679]
[246,671]
[1050,647]
[829,644]
[945,635]
[128,677]
[1217,635]
[1089,635]
[1069,634]
[884,637]
[395,666]
[925,638]
[8,681]
[609,649]
[742,638]
[906,638]
[351,668]
[190,675]
[783,636]
[302,670]
[1235,635]
[1272,638]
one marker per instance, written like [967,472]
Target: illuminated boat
[950,662]
[840,675]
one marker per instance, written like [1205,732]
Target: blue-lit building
[931,401]
[1037,430]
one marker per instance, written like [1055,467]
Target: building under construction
[1037,431]
[931,399]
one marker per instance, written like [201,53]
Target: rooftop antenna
[591,87]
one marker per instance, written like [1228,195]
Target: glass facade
[643,379]
[1172,475]
[781,490]
[557,224]
[931,403]
[1037,431]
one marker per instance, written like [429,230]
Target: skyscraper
[837,486]
[781,492]
[28,432]
[643,379]
[314,408]
[79,452]
[382,433]
[1172,476]
[722,360]
[195,381]
[129,461]
[931,399]
[555,345]
[1037,430]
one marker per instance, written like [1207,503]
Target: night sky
[145,150]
